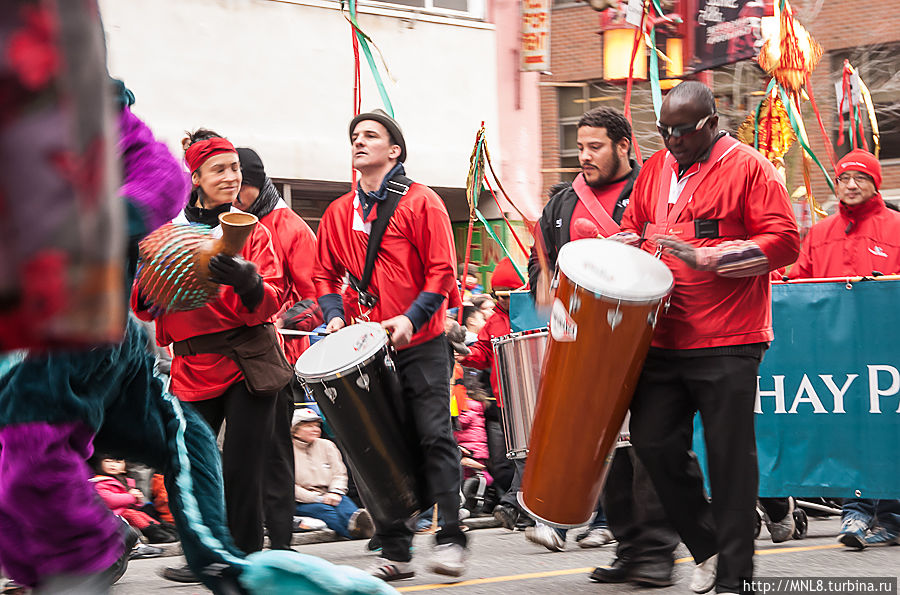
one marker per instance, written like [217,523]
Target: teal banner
[828,396]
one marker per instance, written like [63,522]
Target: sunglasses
[861,179]
[683,130]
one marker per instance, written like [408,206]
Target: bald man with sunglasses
[716,212]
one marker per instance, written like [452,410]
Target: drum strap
[397,187]
[607,224]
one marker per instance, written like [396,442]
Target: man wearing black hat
[409,286]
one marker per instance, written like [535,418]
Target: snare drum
[602,319]
[351,376]
[519,357]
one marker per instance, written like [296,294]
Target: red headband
[197,154]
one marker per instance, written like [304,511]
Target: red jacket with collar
[208,375]
[114,494]
[482,350]
[854,241]
[416,254]
[708,310]
[295,245]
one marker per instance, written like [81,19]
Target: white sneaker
[543,535]
[704,578]
[448,559]
[597,538]
[782,530]
[389,570]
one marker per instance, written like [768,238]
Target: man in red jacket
[721,217]
[295,244]
[862,238]
[412,283]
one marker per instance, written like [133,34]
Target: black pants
[634,513]
[248,433]
[278,491]
[424,372]
[723,389]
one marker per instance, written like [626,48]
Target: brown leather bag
[254,349]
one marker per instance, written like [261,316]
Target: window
[469,8]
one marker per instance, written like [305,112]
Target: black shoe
[156,533]
[651,574]
[507,515]
[374,544]
[617,572]
[131,537]
[182,574]
[524,522]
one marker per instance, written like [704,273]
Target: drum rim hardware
[349,368]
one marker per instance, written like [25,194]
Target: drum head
[341,350]
[615,270]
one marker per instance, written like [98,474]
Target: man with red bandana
[413,281]
[212,383]
[862,238]
[719,216]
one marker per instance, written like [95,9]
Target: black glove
[235,271]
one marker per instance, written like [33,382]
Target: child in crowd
[320,480]
[119,493]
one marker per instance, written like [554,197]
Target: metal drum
[607,302]
[519,357]
[351,376]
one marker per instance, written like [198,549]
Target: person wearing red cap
[200,374]
[411,283]
[862,238]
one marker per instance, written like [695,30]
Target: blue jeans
[885,512]
[336,517]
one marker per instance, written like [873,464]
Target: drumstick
[285,331]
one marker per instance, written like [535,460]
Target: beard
[605,173]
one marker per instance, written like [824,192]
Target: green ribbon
[363,42]
[655,90]
[494,237]
[796,126]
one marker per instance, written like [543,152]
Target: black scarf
[197,214]
[266,201]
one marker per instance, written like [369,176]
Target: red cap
[861,161]
[197,154]
[504,276]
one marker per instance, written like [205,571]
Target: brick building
[868,33]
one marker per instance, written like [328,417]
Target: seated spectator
[473,321]
[119,493]
[484,303]
[320,480]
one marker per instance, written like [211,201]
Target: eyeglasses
[860,179]
[683,130]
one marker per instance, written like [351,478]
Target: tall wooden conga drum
[602,318]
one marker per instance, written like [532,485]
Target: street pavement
[504,562]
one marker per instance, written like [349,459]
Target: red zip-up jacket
[854,241]
[482,350]
[208,375]
[416,254]
[708,310]
[295,245]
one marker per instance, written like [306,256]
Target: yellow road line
[549,573]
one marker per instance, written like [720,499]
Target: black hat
[388,122]
[252,167]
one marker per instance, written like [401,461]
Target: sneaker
[180,574]
[507,515]
[11,587]
[524,522]
[784,529]
[464,513]
[143,550]
[704,577]
[597,538]
[853,533]
[545,536]
[448,559]
[360,525]
[389,570]
[881,536]
[304,523]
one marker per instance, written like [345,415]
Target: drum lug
[389,363]
[614,317]
[363,380]
[651,318]
[331,393]
[574,304]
